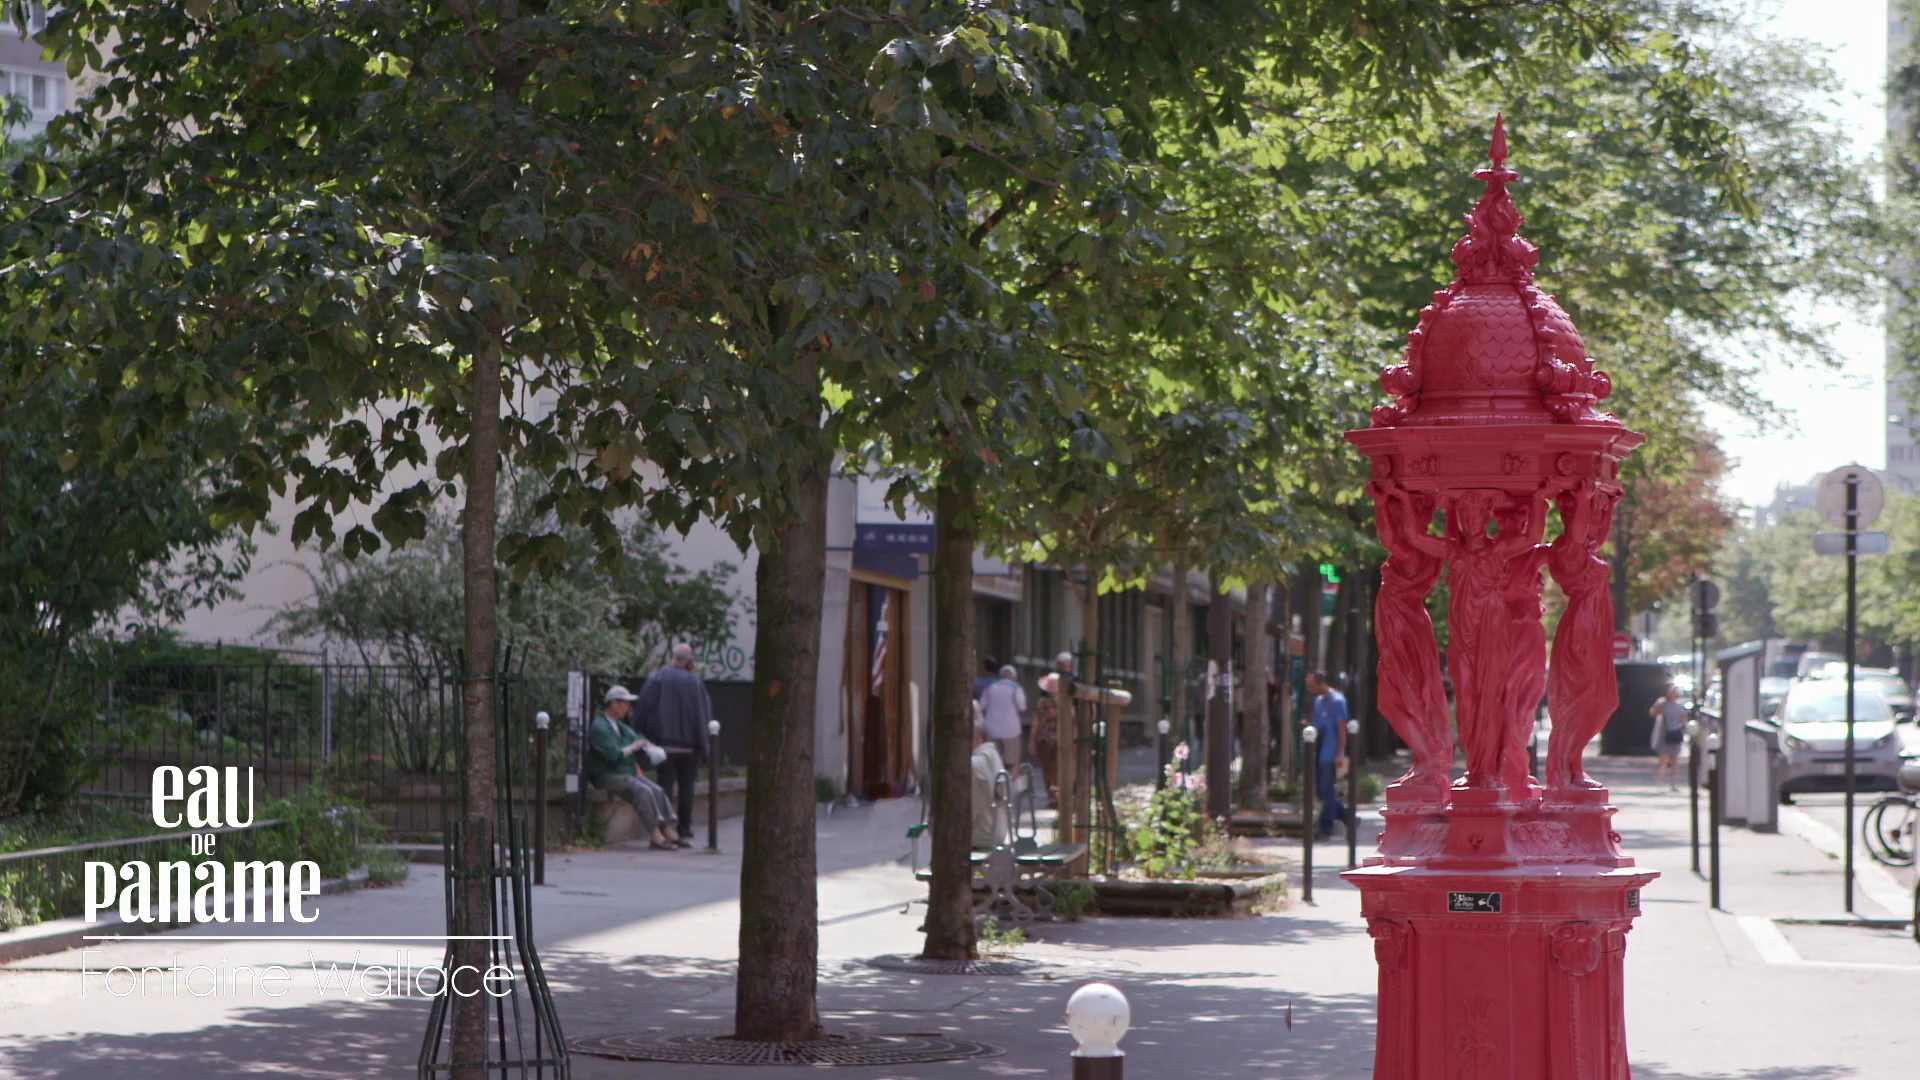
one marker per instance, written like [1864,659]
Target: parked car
[1773,690]
[1812,719]
[1893,689]
[1811,662]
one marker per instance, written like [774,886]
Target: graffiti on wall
[724,661]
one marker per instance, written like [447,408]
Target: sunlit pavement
[636,940]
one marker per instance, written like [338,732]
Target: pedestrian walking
[1002,704]
[1669,733]
[673,710]
[989,673]
[1043,739]
[612,767]
[1330,720]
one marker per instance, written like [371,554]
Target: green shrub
[995,942]
[1072,900]
[385,866]
[1166,838]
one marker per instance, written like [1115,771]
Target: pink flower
[1180,752]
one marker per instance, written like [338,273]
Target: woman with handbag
[1669,734]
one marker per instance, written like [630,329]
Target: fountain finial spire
[1493,250]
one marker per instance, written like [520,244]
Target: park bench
[1017,862]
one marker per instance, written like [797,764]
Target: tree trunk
[1340,631]
[774,997]
[1366,682]
[1622,559]
[1284,595]
[950,930]
[478,817]
[1311,601]
[1219,704]
[1181,690]
[1090,626]
[1251,791]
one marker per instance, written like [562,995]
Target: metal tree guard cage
[523,1039]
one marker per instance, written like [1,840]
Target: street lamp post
[1498,907]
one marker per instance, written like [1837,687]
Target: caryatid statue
[1415,699]
[1582,691]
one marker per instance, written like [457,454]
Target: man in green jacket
[611,766]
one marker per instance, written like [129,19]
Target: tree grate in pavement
[920,965]
[695,1048]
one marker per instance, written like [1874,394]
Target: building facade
[41,85]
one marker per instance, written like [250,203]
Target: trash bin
[1763,777]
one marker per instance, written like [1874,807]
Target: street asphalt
[1773,987]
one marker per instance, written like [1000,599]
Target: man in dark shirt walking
[1330,718]
[673,711]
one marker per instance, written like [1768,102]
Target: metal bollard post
[1161,753]
[713,787]
[1716,772]
[1308,825]
[1693,789]
[1098,1017]
[540,722]
[1353,793]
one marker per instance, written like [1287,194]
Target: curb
[64,935]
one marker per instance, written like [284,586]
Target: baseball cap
[620,693]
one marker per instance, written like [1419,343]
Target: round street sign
[1703,593]
[1622,647]
[1832,500]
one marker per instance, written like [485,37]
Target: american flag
[879,647]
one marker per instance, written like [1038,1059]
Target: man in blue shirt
[1330,720]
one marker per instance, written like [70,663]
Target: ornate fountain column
[1499,906]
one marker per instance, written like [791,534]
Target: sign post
[1704,596]
[1851,497]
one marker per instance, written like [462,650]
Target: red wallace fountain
[1498,908]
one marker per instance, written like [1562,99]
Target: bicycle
[1888,829]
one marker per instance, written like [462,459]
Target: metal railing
[49,883]
[383,735]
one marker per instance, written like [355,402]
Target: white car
[1813,738]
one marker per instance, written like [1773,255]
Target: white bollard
[1098,1017]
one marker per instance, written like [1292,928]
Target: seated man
[987,767]
[611,746]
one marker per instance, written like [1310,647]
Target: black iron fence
[383,734]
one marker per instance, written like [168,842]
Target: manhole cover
[920,965]
[851,1049]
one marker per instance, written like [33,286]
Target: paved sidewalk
[636,939]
